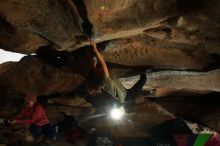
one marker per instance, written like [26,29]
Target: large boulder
[141,51]
[33,75]
[188,80]
[32,24]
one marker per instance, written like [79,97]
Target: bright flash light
[117,113]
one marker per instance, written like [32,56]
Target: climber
[99,79]
[34,115]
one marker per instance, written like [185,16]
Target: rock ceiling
[168,35]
